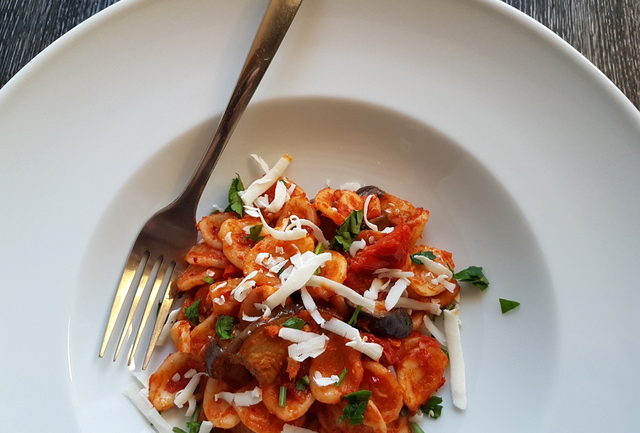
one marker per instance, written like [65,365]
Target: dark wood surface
[607,32]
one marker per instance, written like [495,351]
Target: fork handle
[275,23]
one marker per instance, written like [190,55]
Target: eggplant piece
[252,352]
[393,324]
[370,190]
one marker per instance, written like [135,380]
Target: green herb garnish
[433,407]
[282,396]
[507,305]
[209,280]
[427,254]
[357,405]
[415,428]
[193,426]
[224,327]
[474,275]
[191,313]
[319,249]
[341,376]
[254,233]
[354,317]
[348,231]
[302,383]
[235,202]
[294,322]
[446,352]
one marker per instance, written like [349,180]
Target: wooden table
[607,32]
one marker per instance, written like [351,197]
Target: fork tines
[149,275]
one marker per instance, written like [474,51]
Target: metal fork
[156,258]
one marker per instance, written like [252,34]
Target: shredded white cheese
[342,290]
[430,307]
[325,381]
[356,246]
[395,292]
[219,300]
[296,335]
[246,398]
[176,377]
[372,350]
[183,395]
[205,427]
[298,278]
[190,373]
[456,360]
[387,230]
[369,224]
[140,399]
[288,428]
[279,263]
[192,406]
[310,306]
[261,162]
[442,279]
[227,238]
[434,331]
[377,285]
[250,318]
[297,222]
[289,234]
[166,329]
[308,349]
[261,257]
[259,186]
[392,273]
[243,288]
[279,250]
[280,197]
[266,311]
[433,266]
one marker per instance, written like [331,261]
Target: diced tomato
[390,347]
[389,252]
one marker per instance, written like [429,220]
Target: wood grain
[607,32]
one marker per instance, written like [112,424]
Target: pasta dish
[324,314]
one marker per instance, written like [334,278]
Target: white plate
[526,155]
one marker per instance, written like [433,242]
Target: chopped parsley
[294,322]
[354,317]
[415,428]
[193,426]
[191,313]
[224,327]
[427,254]
[209,280]
[282,396]
[254,233]
[507,305]
[341,376]
[302,383]
[348,231]
[235,202]
[357,405]
[474,275]
[319,249]
[433,407]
